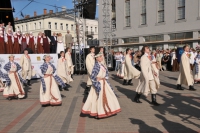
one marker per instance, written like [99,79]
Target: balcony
[89,33]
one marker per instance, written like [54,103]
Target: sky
[29,10]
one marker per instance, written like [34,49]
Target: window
[161,11]
[95,29]
[66,26]
[131,40]
[22,28]
[184,35]
[154,38]
[91,29]
[35,26]
[49,25]
[18,28]
[86,28]
[61,26]
[29,26]
[127,13]
[56,27]
[26,27]
[181,9]
[40,25]
[143,12]
[72,27]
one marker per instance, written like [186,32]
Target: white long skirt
[52,95]
[14,89]
[98,106]
[60,47]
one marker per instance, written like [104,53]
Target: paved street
[179,112]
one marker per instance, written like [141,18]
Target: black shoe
[65,88]
[179,87]
[25,84]
[9,98]
[125,82]
[191,88]
[129,82]
[137,98]
[153,97]
[29,83]
[87,90]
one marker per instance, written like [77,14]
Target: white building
[58,22]
[159,23]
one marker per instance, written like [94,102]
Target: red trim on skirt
[102,115]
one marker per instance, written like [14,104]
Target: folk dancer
[62,69]
[25,63]
[101,101]
[53,43]
[16,44]
[70,65]
[2,78]
[102,52]
[2,43]
[90,61]
[149,81]
[39,39]
[14,81]
[9,42]
[23,42]
[31,42]
[46,43]
[49,91]
[60,44]
[130,72]
[196,71]
[185,75]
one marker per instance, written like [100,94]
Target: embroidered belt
[18,82]
[105,101]
[51,75]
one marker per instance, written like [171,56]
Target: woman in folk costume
[185,75]
[70,65]
[9,42]
[31,42]
[102,52]
[149,81]
[46,43]
[174,62]
[130,72]
[196,71]
[101,101]
[62,69]
[49,91]
[60,44]
[16,47]
[2,43]
[159,57]
[39,39]
[2,77]
[23,42]
[121,70]
[14,80]
[90,61]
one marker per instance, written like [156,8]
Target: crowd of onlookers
[167,59]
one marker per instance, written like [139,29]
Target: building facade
[161,24]
[59,22]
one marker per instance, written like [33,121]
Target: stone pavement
[179,112]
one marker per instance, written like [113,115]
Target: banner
[179,52]
[36,60]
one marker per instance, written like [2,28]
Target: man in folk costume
[90,61]
[25,63]
[9,42]
[23,42]
[101,101]
[130,72]
[16,44]
[149,81]
[39,40]
[13,80]
[62,69]
[31,42]
[70,65]
[68,40]
[2,43]
[53,43]
[186,75]
[49,91]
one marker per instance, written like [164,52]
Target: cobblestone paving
[179,111]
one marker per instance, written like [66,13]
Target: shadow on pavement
[143,127]
[129,93]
